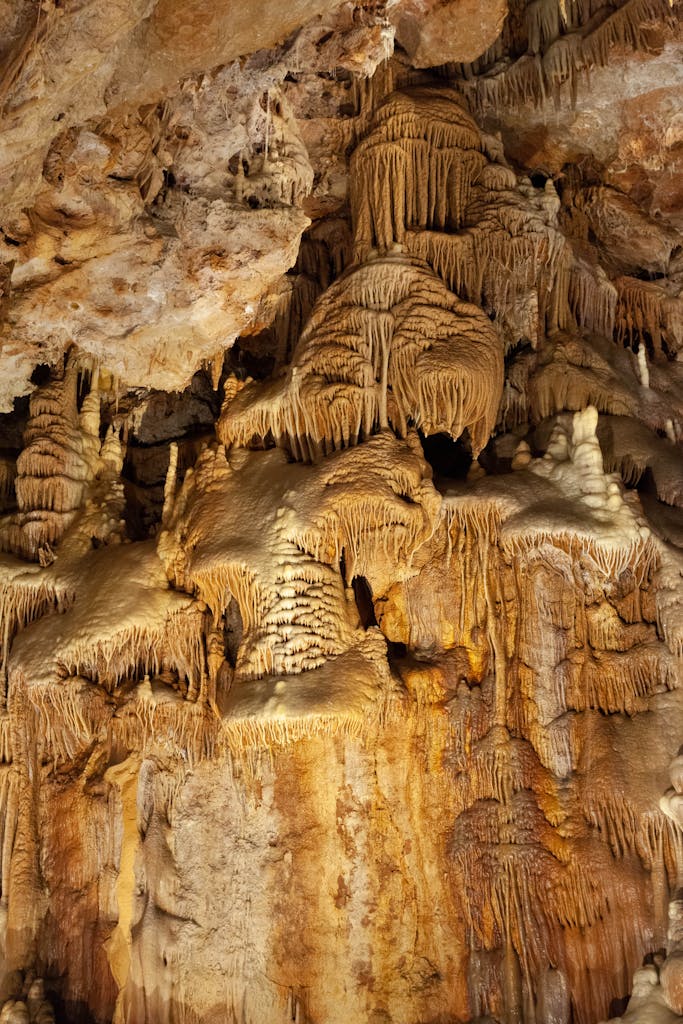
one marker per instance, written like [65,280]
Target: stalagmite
[642,367]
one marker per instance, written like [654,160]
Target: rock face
[341,531]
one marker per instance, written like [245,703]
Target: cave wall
[341,536]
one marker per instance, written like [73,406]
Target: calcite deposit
[341,512]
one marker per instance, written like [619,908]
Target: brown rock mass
[341,512]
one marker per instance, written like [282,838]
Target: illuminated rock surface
[341,513]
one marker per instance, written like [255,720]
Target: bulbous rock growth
[386,346]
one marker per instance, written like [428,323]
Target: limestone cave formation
[341,512]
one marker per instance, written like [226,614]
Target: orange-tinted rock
[344,684]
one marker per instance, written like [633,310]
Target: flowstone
[344,686]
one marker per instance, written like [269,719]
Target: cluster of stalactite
[558,661]
[537,639]
[548,44]
[520,637]
[388,345]
[509,246]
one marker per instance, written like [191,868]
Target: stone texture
[434,32]
[341,538]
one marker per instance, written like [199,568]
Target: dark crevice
[396,651]
[449,459]
[233,632]
[41,375]
[363,595]
[647,275]
[618,1006]
[12,426]
[538,178]
[242,361]
[646,483]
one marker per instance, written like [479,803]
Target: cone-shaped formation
[387,345]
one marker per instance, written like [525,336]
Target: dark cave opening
[449,459]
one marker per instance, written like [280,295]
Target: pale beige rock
[128,54]
[439,32]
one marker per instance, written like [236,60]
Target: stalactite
[631,448]
[627,833]
[387,344]
[330,654]
[174,644]
[414,168]
[627,27]
[544,23]
[256,732]
[533,77]
[592,298]
[669,598]
[161,724]
[547,19]
[373,504]
[644,315]
[26,595]
[68,716]
[510,249]
[622,682]
[572,375]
